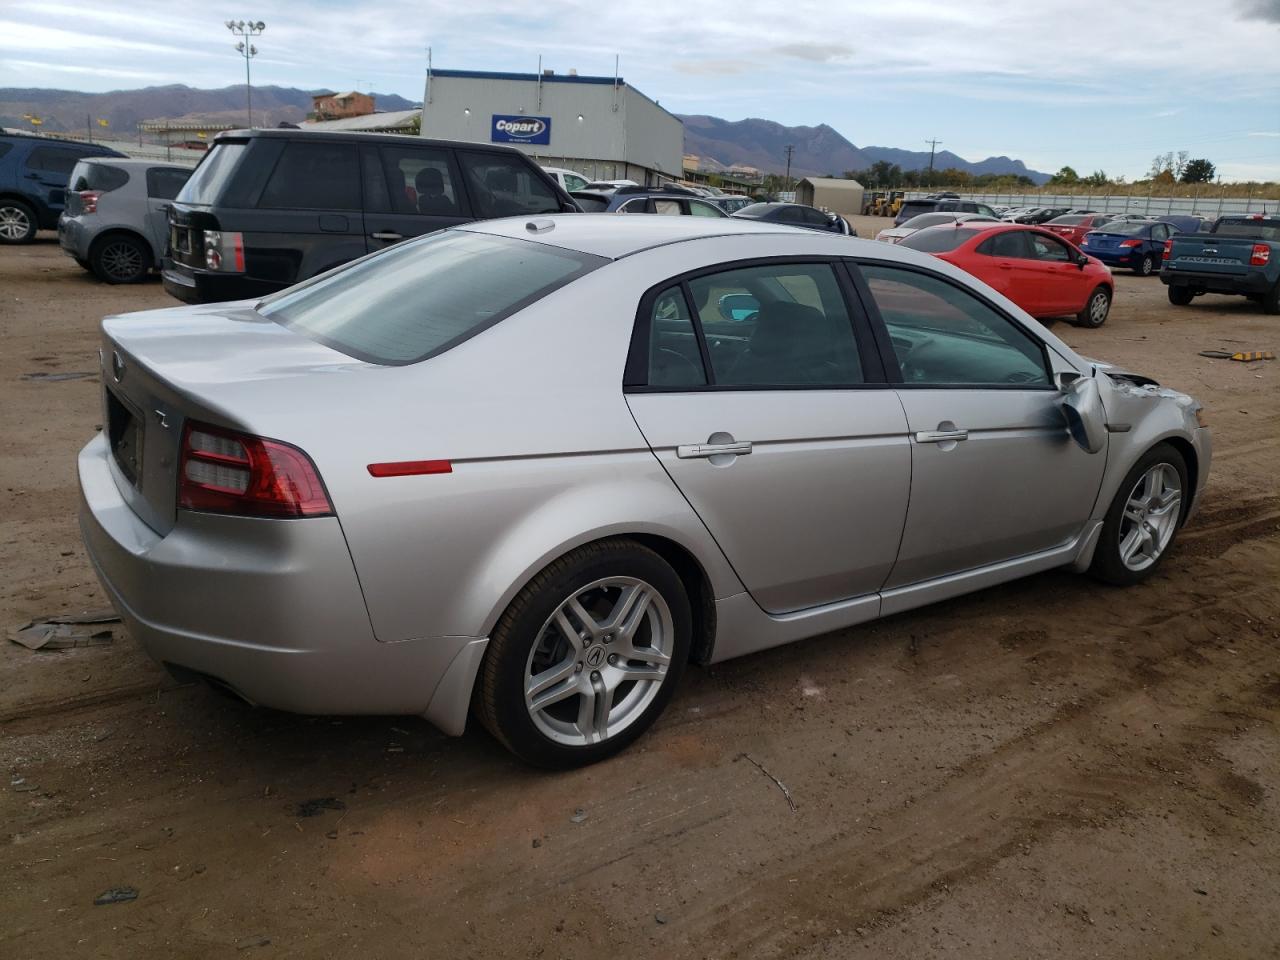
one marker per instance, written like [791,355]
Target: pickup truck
[1240,255]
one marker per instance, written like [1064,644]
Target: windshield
[1257,229]
[421,298]
[938,240]
[212,174]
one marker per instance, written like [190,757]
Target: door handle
[941,436]
[386,235]
[697,451]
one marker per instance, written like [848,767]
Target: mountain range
[819,150]
[720,143]
[69,110]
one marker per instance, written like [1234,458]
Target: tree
[1161,163]
[1199,170]
[1096,179]
[1180,164]
[1066,175]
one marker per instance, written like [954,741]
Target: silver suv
[116,219]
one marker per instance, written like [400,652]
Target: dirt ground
[1052,768]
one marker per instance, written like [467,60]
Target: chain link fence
[1211,203]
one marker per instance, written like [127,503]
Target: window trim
[635,375]
[889,358]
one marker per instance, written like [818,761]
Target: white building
[598,126]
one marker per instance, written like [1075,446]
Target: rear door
[47,173]
[409,191]
[994,473]
[163,185]
[1011,270]
[760,391]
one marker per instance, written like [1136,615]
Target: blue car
[671,201]
[33,181]
[1136,244]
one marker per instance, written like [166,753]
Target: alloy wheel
[121,261]
[1098,307]
[599,660]
[1150,516]
[15,223]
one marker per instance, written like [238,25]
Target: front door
[1059,274]
[994,474]
[759,391]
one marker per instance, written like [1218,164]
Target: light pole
[246,32]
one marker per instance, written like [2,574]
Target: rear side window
[215,170]
[674,357]
[166,183]
[314,176]
[5,148]
[937,239]
[421,181]
[1007,243]
[421,298]
[98,176]
[503,186]
[52,160]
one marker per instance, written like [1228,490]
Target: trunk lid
[161,368]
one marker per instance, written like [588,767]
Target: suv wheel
[17,222]
[586,656]
[120,258]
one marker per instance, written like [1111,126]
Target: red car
[1040,272]
[1074,226]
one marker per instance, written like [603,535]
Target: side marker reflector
[409,468]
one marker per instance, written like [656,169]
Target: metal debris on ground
[43,377]
[781,786]
[115,895]
[579,815]
[66,632]
[317,806]
[249,942]
[1244,356]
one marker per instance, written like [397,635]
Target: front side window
[943,335]
[504,186]
[423,297]
[314,176]
[777,325]
[574,182]
[700,209]
[1046,248]
[421,181]
[667,208]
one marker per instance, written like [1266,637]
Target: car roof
[133,163]
[612,236]
[295,133]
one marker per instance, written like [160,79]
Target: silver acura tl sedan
[531,468]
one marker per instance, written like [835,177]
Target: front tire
[120,258]
[1180,296]
[1146,266]
[17,222]
[1271,300]
[1096,309]
[586,656]
[1143,519]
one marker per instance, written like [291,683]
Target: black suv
[33,181]
[269,208]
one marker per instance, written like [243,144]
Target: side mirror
[1082,408]
[737,306]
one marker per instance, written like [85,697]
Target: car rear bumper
[271,609]
[205,286]
[1253,282]
[74,239]
[1114,258]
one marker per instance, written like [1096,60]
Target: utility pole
[933,146]
[791,148]
[246,32]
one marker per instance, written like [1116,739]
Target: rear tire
[1271,300]
[120,258]
[1142,523]
[1096,309]
[17,222]
[1146,266]
[543,649]
[1180,296]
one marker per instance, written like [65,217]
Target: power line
[933,146]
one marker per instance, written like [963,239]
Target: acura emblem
[117,365]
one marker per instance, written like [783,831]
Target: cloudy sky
[1098,85]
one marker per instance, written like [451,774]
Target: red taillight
[409,468]
[1168,249]
[1130,243]
[1260,256]
[224,471]
[89,201]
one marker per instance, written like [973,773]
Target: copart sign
[520,129]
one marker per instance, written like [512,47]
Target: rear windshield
[213,173]
[98,176]
[757,210]
[920,221]
[912,207]
[591,204]
[421,298]
[937,239]
[1127,228]
[1257,229]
